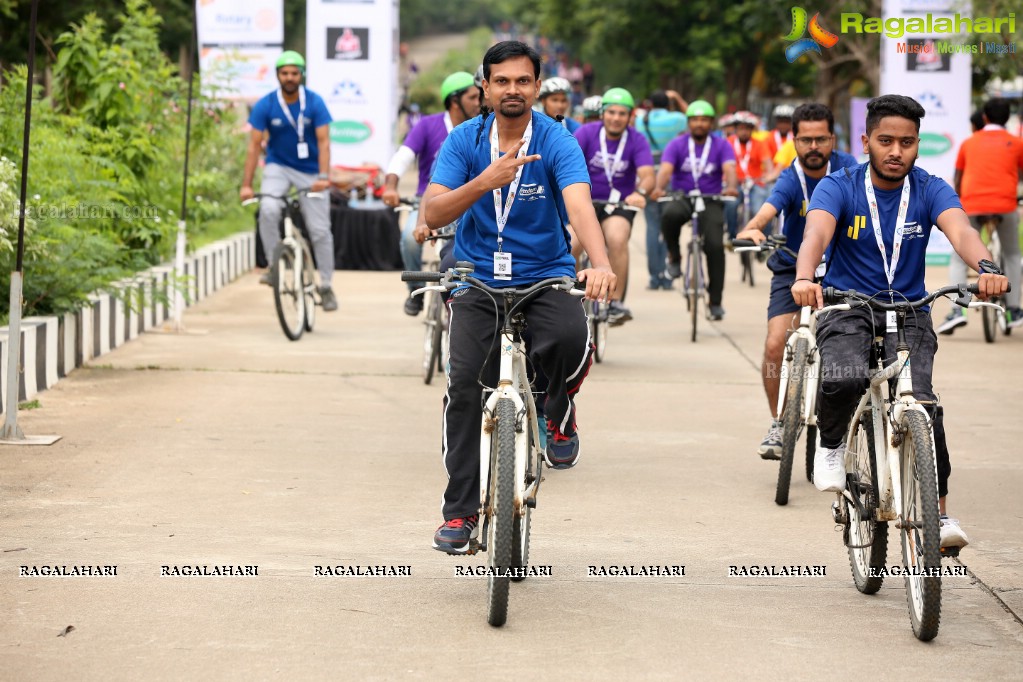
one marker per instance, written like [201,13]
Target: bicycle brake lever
[964,297]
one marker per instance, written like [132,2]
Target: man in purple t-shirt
[461,100]
[616,154]
[698,163]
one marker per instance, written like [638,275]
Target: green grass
[29,405]
[237,219]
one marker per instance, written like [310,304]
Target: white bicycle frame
[805,330]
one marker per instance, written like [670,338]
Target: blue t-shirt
[659,127]
[855,261]
[282,147]
[787,198]
[535,234]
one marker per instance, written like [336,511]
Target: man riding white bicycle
[813,125]
[294,158]
[461,100]
[517,178]
[876,217]
[621,168]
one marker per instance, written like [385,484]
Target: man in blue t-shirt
[814,127]
[295,122]
[516,178]
[878,245]
[659,126]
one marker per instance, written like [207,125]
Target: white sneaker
[951,534]
[829,469]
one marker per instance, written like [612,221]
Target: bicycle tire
[502,504]
[309,287]
[990,319]
[598,326]
[692,287]
[288,297]
[747,267]
[790,419]
[520,543]
[920,526]
[811,448]
[866,539]
[431,337]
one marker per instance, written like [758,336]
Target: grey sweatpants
[278,181]
[1008,235]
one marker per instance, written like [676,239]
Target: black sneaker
[954,319]
[454,536]
[562,450]
[673,270]
[328,300]
[717,313]
[617,314]
[413,305]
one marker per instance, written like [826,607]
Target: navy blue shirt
[787,198]
[855,261]
[282,147]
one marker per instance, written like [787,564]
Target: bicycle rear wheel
[747,267]
[811,447]
[791,416]
[309,287]
[289,298]
[500,530]
[598,329]
[866,539]
[432,336]
[921,544]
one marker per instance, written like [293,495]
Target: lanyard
[609,171]
[300,126]
[900,224]
[703,160]
[447,122]
[743,160]
[502,210]
[802,182]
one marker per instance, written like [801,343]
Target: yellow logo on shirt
[859,222]
[802,210]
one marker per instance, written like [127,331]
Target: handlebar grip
[972,288]
[413,276]
[743,243]
[833,296]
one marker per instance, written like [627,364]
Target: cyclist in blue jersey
[554,101]
[659,126]
[461,102]
[877,219]
[296,122]
[814,127]
[516,178]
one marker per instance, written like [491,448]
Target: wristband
[323,176]
[799,279]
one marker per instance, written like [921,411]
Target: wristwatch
[323,176]
[642,192]
[988,267]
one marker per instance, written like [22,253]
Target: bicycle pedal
[474,547]
[950,552]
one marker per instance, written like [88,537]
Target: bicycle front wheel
[502,511]
[866,539]
[598,329]
[811,447]
[921,544]
[431,336]
[289,294]
[990,318]
[692,286]
[791,416]
[747,267]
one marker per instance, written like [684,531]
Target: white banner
[352,62]
[239,41]
[931,70]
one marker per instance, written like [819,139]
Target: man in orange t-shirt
[988,170]
[753,162]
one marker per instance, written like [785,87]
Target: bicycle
[994,322]
[799,379]
[293,273]
[693,280]
[891,471]
[597,315]
[511,447]
[743,216]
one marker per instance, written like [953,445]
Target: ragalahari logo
[819,36]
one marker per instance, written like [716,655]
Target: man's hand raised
[502,171]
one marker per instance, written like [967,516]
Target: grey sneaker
[717,313]
[265,278]
[328,299]
[673,270]
[770,447]
[955,319]
[617,314]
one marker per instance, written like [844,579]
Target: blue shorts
[781,302]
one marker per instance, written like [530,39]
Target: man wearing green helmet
[461,100]
[285,118]
[621,170]
[698,163]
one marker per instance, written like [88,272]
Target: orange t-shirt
[752,155]
[990,161]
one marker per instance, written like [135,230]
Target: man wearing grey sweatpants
[293,160]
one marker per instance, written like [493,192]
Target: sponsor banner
[239,41]
[352,62]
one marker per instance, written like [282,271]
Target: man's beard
[513,113]
[814,161]
[890,178]
[289,87]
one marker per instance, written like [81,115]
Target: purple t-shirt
[426,140]
[635,155]
[677,153]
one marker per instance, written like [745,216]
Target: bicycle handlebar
[297,193]
[772,243]
[678,195]
[834,296]
[618,204]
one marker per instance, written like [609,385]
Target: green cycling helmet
[619,96]
[455,83]
[291,58]
[700,107]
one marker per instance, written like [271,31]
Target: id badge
[698,205]
[303,150]
[891,325]
[502,265]
[821,270]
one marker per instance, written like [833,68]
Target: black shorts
[781,301]
[601,208]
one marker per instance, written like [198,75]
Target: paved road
[230,445]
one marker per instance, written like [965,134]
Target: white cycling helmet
[747,118]
[554,85]
[478,78]
[784,111]
[593,104]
